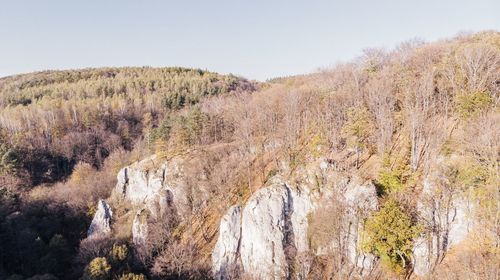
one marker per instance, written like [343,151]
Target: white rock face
[141,181]
[274,230]
[225,253]
[140,227]
[266,231]
[358,201]
[361,200]
[101,223]
[302,205]
[160,188]
[154,184]
[449,213]
[264,239]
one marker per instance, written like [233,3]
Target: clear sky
[256,38]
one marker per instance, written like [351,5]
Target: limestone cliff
[225,255]
[155,184]
[447,215]
[269,236]
[155,188]
[266,237]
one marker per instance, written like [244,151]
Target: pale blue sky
[256,39]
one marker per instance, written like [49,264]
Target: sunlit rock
[447,214]
[140,227]
[225,261]
[101,223]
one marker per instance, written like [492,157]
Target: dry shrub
[87,185]
[179,261]
[467,263]
[93,247]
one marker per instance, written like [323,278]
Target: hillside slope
[386,167]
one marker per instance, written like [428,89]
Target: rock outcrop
[267,238]
[142,181]
[140,227]
[101,223]
[155,184]
[447,215]
[158,188]
[273,231]
[361,201]
[353,203]
[225,255]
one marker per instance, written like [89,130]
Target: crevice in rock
[289,247]
[125,184]
[238,265]
[163,176]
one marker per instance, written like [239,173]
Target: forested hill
[385,167]
[177,86]
[50,120]
[86,123]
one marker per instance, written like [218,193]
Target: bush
[98,269]
[393,179]
[389,181]
[118,253]
[132,276]
[8,159]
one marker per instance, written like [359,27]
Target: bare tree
[420,101]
